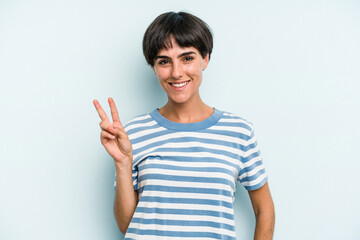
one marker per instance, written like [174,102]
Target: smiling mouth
[179,85]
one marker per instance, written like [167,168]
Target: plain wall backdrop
[292,68]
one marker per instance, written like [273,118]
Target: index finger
[114,111]
[100,111]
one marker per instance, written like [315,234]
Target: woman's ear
[206,61]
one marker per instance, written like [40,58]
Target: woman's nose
[177,70]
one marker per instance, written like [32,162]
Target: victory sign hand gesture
[113,136]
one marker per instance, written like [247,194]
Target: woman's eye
[188,58]
[162,62]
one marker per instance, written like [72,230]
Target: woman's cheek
[195,69]
[164,74]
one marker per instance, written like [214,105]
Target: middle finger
[114,112]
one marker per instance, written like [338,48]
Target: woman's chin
[178,100]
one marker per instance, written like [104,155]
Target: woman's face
[179,71]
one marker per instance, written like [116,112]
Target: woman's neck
[188,112]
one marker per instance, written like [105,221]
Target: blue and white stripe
[186,175]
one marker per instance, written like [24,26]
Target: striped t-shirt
[186,175]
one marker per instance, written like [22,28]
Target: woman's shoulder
[235,119]
[138,119]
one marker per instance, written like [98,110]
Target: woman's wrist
[124,164]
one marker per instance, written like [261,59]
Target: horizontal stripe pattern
[186,175]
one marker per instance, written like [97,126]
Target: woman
[177,167]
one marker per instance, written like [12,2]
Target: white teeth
[179,84]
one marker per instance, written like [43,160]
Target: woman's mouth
[179,86]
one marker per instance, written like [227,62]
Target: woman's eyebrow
[180,56]
[186,53]
[166,57]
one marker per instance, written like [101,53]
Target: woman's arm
[126,198]
[117,143]
[264,212]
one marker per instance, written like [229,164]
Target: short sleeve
[135,177]
[252,172]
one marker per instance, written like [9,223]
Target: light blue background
[290,67]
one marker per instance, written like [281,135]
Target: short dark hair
[187,30]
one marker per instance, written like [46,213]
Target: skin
[116,142]
[263,207]
[179,64]
[172,65]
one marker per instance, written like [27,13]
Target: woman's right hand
[113,136]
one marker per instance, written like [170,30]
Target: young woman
[177,166]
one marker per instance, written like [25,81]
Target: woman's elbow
[122,225]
